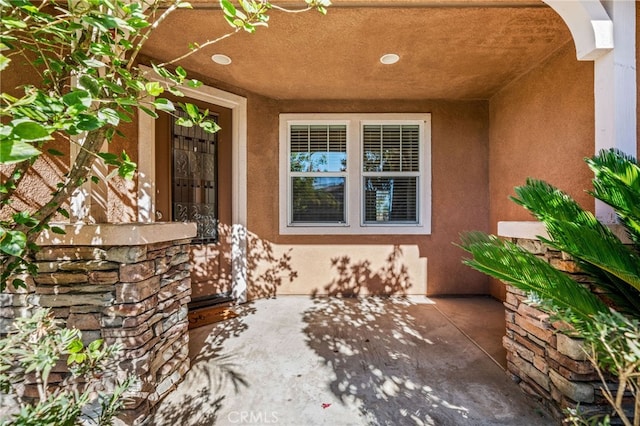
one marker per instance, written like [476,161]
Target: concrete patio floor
[371,361]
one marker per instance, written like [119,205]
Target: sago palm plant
[608,318]
[613,267]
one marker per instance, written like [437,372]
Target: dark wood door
[193,183]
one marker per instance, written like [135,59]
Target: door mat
[204,316]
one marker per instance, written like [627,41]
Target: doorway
[193,183]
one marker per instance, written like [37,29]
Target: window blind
[391,167]
[318,164]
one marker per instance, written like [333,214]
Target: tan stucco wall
[541,126]
[48,170]
[123,194]
[41,179]
[332,264]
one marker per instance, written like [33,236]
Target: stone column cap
[117,234]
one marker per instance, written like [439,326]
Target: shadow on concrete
[213,371]
[400,361]
[380,357]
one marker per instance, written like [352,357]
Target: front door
[193,172]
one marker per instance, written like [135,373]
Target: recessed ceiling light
[389,58]
[221,59]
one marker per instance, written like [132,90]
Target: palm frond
[595,245]
[544,201]
[626,299]
[577,232]
[508,262]
[617,183]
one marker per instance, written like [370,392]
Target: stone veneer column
[129,284]
[545,362]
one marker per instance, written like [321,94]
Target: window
[355,174]
[317,165]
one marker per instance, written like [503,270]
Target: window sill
[356,230]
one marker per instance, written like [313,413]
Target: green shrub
[91,394]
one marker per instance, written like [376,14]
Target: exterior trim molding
[590,26]
[605,32]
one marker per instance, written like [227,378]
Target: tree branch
[146,35]
[77,176]
[201,46]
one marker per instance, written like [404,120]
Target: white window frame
[354,196]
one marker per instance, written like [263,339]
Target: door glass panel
[195,180]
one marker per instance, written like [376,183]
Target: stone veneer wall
[135,295]
[544,362]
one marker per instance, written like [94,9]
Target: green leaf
[136,85]
[95,179]
[104,22]
[63,212]
[175,92]
[18,283]
[4,62]
[55,152]
[24,218]
[127,168]
[115,88]
[148,111]
[109,116]
[228,8]
[192,111]
[30,131]
[209,126]
[124,117]
[88,122]
[13,22]
[162,72]
[95,345]
[90,84]
[109,158]
[75,346]
[163,104]
[93,63]
[13,243]
[78,97]
[154,88]
[194,83]
[16,151]
[57,230]
[184,122]
[102,49]
[181,72]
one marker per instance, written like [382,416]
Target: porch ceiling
[454,49]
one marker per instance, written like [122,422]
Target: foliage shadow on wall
[357,278]
[266,270]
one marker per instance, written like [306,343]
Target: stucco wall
[40,181]
[541,126]
[48,170]
[428,264]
